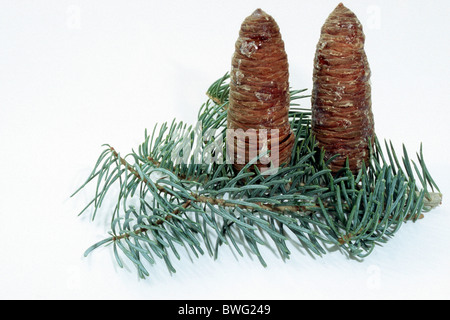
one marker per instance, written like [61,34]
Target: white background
[77,74]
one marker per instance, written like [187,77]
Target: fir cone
[259,96]
[342,119]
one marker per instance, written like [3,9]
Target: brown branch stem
[215,201]
[157,222]
[211,200]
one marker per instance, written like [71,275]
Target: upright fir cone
[259,96]
[342,119]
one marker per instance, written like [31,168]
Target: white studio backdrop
[77,74]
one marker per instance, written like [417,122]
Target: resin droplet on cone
[258,111]
[342,119]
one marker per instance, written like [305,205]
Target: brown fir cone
[259,96]
[342,119]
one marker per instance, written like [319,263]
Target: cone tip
[341,8]
[258,12]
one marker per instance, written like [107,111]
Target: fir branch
[248,204]
[163,203]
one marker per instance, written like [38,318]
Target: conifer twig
[163,204]
[211,200]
